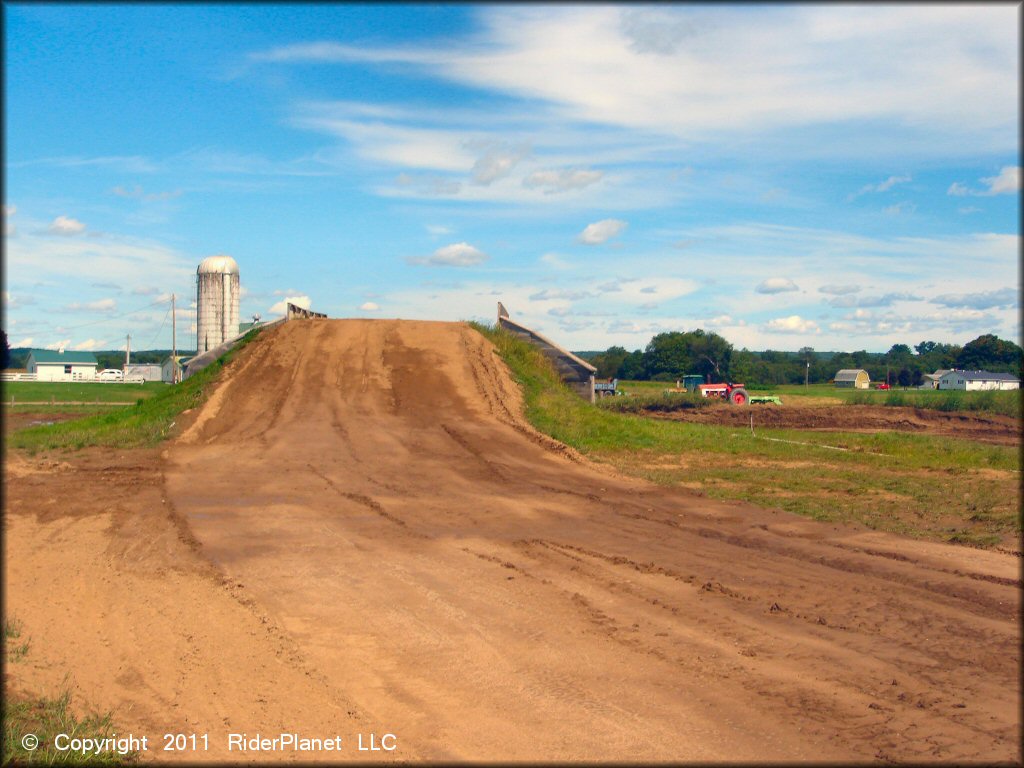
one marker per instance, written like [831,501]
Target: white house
[976,380]
[50,365]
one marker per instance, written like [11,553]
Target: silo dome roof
[219,264]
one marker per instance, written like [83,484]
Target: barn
[978,380]
[142,372]
[59,365]
[853,378]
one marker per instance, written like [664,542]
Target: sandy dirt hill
[484,596]
[359,534]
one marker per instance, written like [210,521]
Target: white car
[110,374]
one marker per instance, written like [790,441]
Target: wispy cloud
[1003,297]
[564,180]
[883,186]
[672,70]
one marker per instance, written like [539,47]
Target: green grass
[947,489]
[12,631]
[1004,403]
[46,718]
[59,391]
[144,424]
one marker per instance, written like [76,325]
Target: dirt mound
[989,428]
[358,534]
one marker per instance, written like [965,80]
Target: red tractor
[734,393]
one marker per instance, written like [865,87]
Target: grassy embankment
[45,718]
[146,423]
[935,488]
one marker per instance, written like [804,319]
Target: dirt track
[358,533]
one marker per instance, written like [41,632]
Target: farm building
[577,374]
[142,372]
[50,365]
[931,380]
[977,380]
[167,369]
[854,378]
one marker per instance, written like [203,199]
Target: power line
[157,334]
[105,319]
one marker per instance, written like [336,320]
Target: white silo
[217,289]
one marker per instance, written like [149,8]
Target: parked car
[883,385]
[110,374]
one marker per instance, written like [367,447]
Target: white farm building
[855,378]
[977,380]
[50,365]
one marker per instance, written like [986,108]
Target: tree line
[670,356]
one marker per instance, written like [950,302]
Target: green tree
[988,352]
[7,350]
[632,368]
[609,362]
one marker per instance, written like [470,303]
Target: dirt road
[358,533]
[484,596]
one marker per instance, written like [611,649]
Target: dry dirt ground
[358,534]
[987,428]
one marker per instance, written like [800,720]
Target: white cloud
[62,344]
[26,342]
[776,285]
[601,231]
[64,225]
[437,229]
[89,344]
[369,306]
[552,181]
[10,210]
[282,306]
[1007,182]
[455,255]
[791,324]
[9,227]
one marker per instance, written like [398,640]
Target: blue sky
[836,176]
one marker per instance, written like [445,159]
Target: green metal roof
[53,356]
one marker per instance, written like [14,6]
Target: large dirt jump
[454,578]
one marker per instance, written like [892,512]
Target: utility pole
[128,351]
[174,344]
